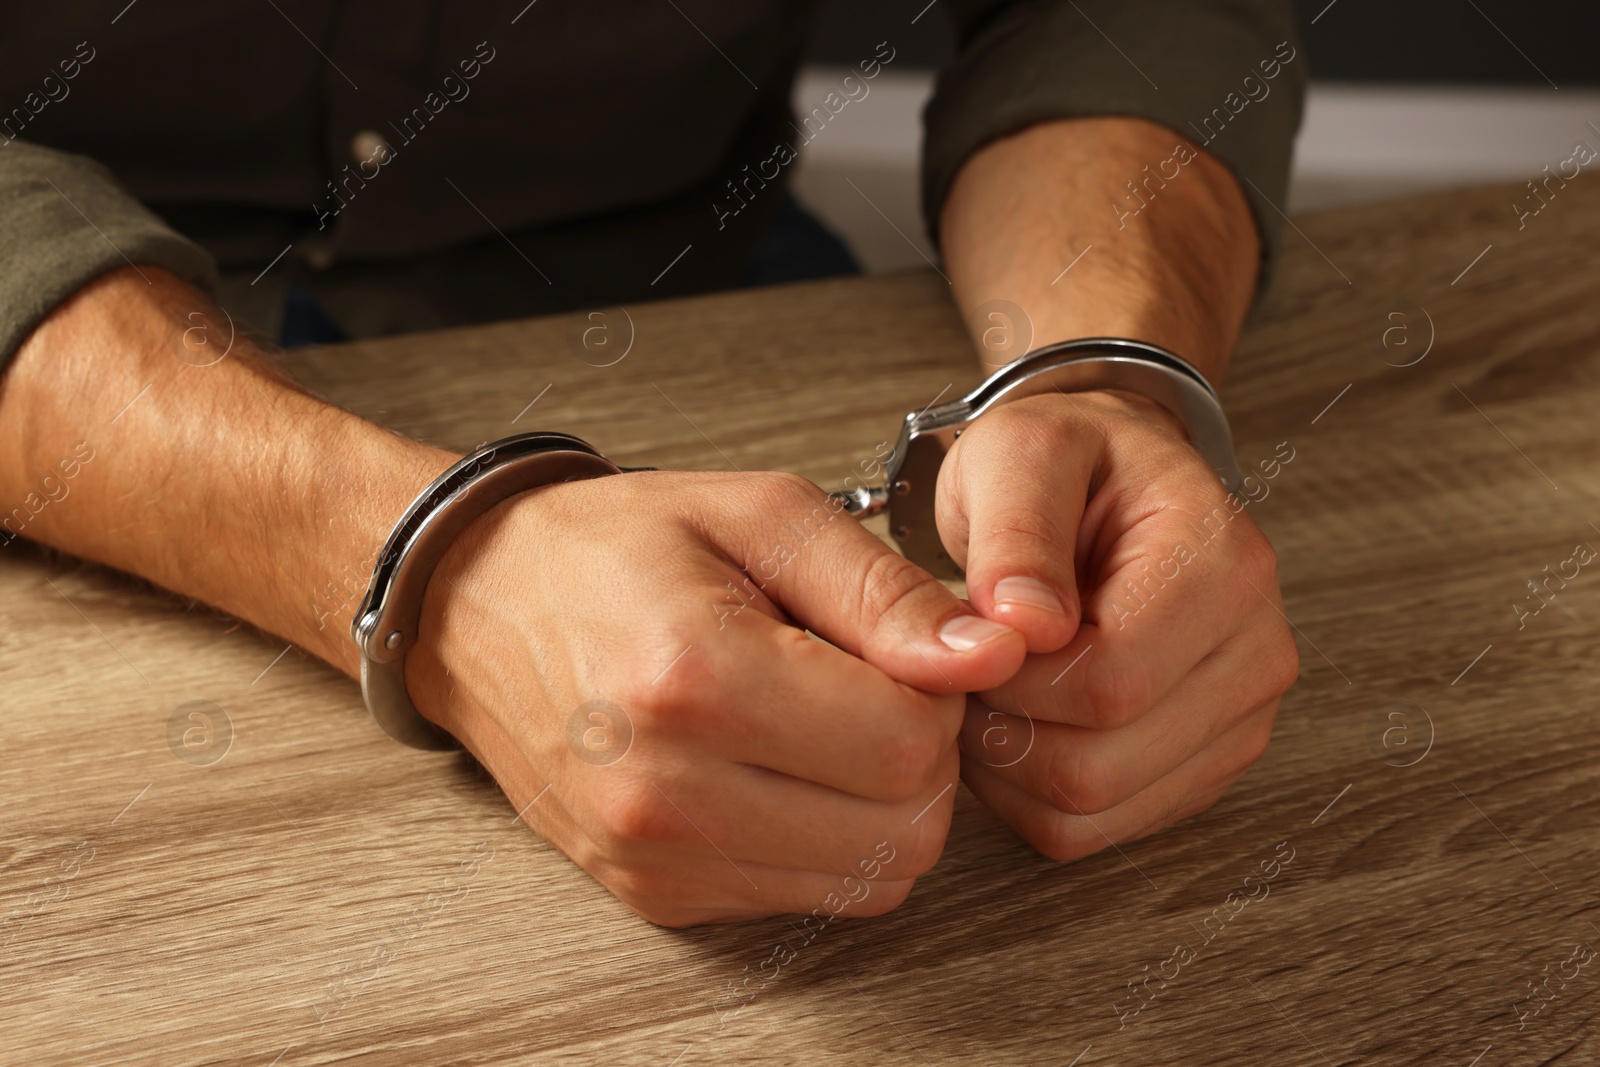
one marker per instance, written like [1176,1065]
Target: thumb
[1011,499]
[841,582]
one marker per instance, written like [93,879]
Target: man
[428,164]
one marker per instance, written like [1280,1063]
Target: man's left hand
[1158,647]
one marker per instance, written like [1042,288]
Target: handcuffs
[385,626]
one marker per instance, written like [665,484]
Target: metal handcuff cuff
[385,626]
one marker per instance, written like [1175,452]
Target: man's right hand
[626,656]
[764,767]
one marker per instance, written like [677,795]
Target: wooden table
[320,895]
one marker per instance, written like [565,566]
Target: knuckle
[1082,783]
[911,761]
[1252,748]
[1117,693]
[1257,561]
[1259,740]
[889,581]
[1003,421]
[921,854]
[649,709]
[1032,422]
[660,700]
[1281,668]
[779,491]
[1063,838]
[1236,769]
[1030,531]
[885,897]
[638,814]
[1248,757]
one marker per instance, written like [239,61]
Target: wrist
[351,481]
[1122,403]
[1098,405]
[1020,224]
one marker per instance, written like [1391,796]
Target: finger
[762,693]
[710,894]
[671,886]
[1069,835]
[831,575]
[1095,770]
[752,816]
[1170,597]
[1011,498]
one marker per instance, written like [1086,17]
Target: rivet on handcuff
[385,626]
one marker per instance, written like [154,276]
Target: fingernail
[1029,592]
[966,632]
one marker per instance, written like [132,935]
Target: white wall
[1357,144]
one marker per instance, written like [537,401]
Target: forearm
[1178,271]
[223,482]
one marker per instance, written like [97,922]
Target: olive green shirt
[428,164]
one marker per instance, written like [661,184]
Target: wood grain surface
[1421,840]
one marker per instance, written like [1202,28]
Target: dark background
[1438,41]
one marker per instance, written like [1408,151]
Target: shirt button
[369,144]
[318,257]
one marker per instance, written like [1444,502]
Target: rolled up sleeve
[66,222]
[1179,63]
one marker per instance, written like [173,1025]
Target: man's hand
[735,767]
[1150,605]
[1141,702]
[766,772]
